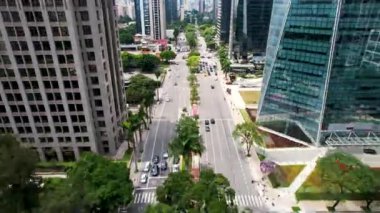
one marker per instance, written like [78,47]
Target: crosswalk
[145,197]
[248,200]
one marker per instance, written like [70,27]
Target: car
[156,159]
[175,168]
[207,122]
[207,128]
[212,121]
[202,56]
[147,166]
[175,84]
[212,86]
[144,178]
[164,165]
[370,151]
[165,155]
[167,99]
[216,79]
[175,160]
[155,170]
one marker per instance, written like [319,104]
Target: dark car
[212,121]
[370,151]
[164,165]
[155,171]
[175,84]
[207,122]
[156,159]
[207,128]
[212,86]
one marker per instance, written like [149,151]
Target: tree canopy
[141,89]
[93,184]
[17,164]
[126,34]
[249,134]
[209,194]
[167,55]
[149,62]
[343,173]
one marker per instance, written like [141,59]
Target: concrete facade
[61,76]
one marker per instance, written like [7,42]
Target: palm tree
[249,134]
[157,73]
[130,128]
[188,140]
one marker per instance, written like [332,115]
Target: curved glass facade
[322,75]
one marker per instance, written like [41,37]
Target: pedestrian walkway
[248,201]
[145,197]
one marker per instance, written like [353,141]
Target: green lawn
[250,97]
[283,176]
[245,115]
[54,166]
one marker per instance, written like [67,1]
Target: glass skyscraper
[322,73]
[252,25]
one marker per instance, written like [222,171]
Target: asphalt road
[162,129]
[224,154]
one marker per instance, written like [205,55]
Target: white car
[175,168]
[165,155]
[167,99]
[144,178]
[147,166]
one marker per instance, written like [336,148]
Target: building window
[6,16]
[95,80]
[91,56]
[61,16]
[92,68]
[89,43]
[52,16]
[86,30]
[84,15]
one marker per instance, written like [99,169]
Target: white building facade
[61,76]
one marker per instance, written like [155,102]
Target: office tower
[157,19]
[142,13]
[223,23]
[252,25]
[322,73]
[215,9]
[201,6]
[171,11]
[61,88]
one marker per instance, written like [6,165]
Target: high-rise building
[142,13]
[171,11]
[223,21]
[252,25]
[202,5]
[150,18]
[60,76]
[157,19]
[322,73]
[215,9]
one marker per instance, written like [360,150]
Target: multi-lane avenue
[223,154]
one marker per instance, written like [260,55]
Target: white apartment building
[61,76]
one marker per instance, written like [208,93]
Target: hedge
[330,196]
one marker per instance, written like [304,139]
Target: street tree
[193,62]
[149,62]
[342,173]
[126,34]
[172,191]
[176,33]
[187,140]
[17,164]
[167,55]
[99,184]
[209,194]
[159,208]
[131,126]
[249,134]
[158,73]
